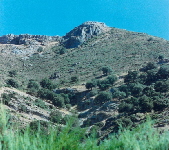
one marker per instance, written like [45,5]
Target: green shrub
[161,86]
[12,82]
[33,84]
[103,97]
[131,77]
[74,79]
[146,103]
[56,116]
[47,84]
[112,79]
[12,73]
[40,103]
[106,70]
[160,103]
[126,107]
[6,98]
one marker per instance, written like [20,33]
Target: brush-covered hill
[95,45]
[71,72]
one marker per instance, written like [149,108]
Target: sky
[57,17]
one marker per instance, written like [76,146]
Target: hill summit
[85,31]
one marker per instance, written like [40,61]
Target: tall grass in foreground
[142,138]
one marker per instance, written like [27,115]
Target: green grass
[143,137]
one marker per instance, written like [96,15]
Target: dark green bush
[103,97]
[119,94]
[103,84]
[33,84]
[161,86]
[74,79]
[160,103]
[90,84]
[47,84]
[163,72]
[56,116]
[145,103]
[126,107]
[40,126]
[106,70]
[112,79]
[131,77]
[12,73]
[6,98]
[12,82]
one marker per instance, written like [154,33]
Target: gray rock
[82,33]
[28,39]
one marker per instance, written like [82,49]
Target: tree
[137,90]
[90,85]
[151,76]
[112,79]
[131,77]
[62,51]
[56,116]
[103,84]
[150,66]
[163,72]
[74,79]
[126,107]
[33,84]
[106,70]
[160,57]
[160,103]
[103,97]
[47,84]
[145,103]
[12,73]
[12,82]
[161,86]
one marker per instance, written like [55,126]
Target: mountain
[56,69]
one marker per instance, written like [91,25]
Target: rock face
[80,34]
[27,39]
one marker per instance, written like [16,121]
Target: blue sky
[57,17]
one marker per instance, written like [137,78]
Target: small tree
[103,97]
[47,84]
[33,84]
[131,77]
[161,86]
[90,85]
[40,49]
[150,66]
[160,57]
[56,116]
[106,70]
[163,72]
[12,73]
[12,82]
[74,79]
[112,79]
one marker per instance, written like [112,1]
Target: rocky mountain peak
[84,32]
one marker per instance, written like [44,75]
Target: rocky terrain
[69,62]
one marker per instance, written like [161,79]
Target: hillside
[120,49]
[100,77]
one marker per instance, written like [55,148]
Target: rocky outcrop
[28,39]
[82,33]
